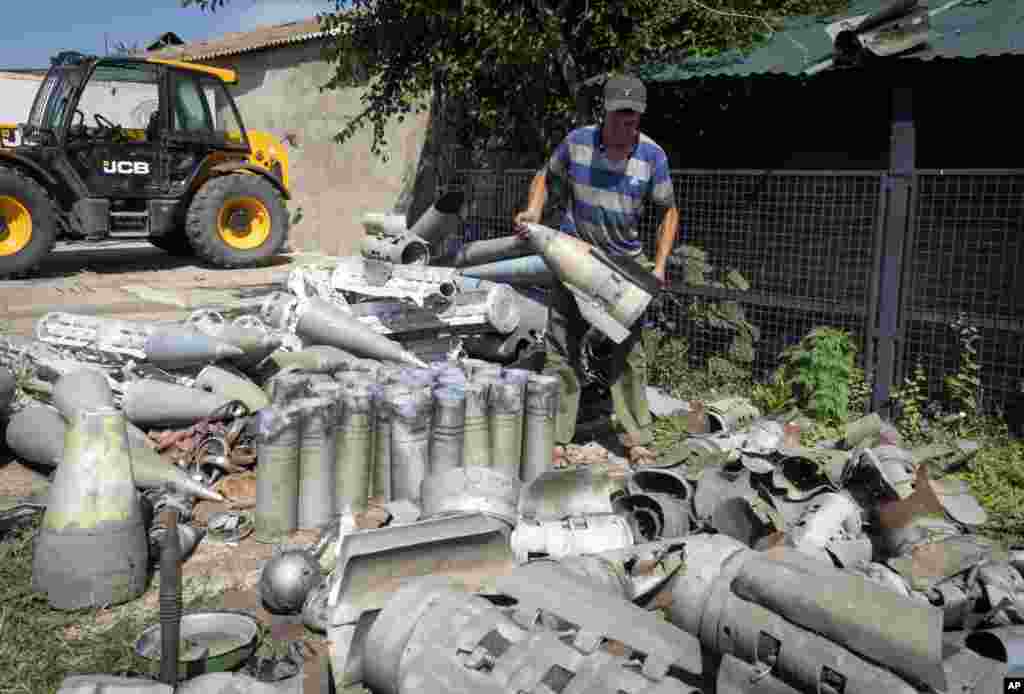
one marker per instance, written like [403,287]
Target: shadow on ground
[106,258]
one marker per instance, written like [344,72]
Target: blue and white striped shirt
[606,198]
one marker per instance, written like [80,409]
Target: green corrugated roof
[969,29]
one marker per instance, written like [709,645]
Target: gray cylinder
[448,429]
[542,395]
[505,415]
[256,345]
[381,485]
[177,347]
[317,452]
[410,443]
[277,480]
[82,389]
[476,440]
[36,434]
[149,404]
[355,450]
[214,379]
[440,219]
[92,548]
[491,250]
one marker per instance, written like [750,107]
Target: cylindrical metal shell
[524,271]
[149,404]
[440,219]
[324,323]
[355,450]
[176,347]
[447,429]
[277,480]
[542,394]
[382,486]
[476,442]
[92,547]
[214,379]
[36,435]
[691,587]
[317,452]
[505,414]
[492,250]
[410,443]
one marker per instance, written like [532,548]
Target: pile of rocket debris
[738,562]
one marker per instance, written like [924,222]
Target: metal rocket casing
[91,549]
[36,435]
[525,271]
[256,345]
[491,250]
[175,347]
[608,298]
[149,403]
[441,219]
[404,250]
[214,379]
[320,322]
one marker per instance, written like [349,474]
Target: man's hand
[522,219]
[659,274]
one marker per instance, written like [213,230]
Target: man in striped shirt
[606,173]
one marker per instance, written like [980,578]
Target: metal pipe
[277,480]
[170,599]
[476,442]
[448,429]
[355,450]
[539,435]
[505,415]
[410,442]
[317,452]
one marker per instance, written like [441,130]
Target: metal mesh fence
[765,257]
[965,256]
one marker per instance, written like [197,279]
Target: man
[606,171]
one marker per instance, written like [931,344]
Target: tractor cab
[124,145]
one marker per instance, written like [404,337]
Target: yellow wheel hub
[244,223]
[15,226]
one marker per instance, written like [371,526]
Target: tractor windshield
[50,106]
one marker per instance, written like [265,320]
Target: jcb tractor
[140,148]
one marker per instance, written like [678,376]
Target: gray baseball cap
[625,92]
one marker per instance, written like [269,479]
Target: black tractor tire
[204,220]
[175,243]
[43,223]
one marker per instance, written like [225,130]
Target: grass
[40,646]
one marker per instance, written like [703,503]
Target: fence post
[898,185]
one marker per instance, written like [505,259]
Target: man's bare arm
[667,232]
[535,205]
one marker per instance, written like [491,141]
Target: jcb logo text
[126,168]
